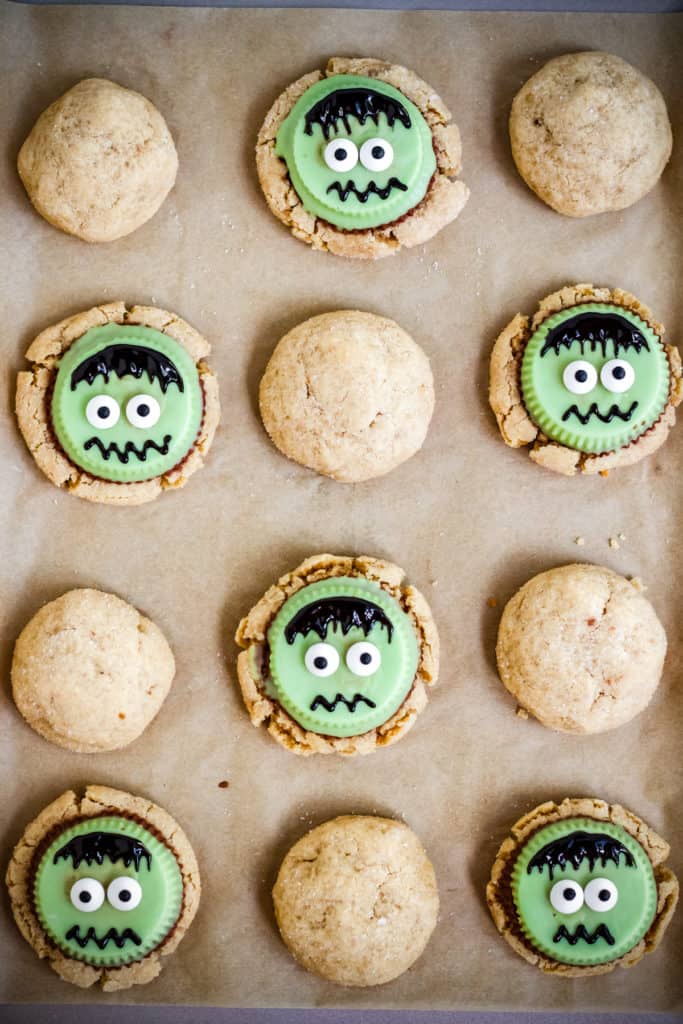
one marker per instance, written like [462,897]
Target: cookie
[99,162]
[361,159]
[348,394]
[356,900]
[338,656]
[581,649]
[89,672]
[581,887]
[589,133]
[103,886]
[588,383]
[119,404]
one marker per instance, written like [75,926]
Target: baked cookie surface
[589,133]
[348,394]
[356,900]
[99,161]
[361,159]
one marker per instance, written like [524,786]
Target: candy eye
[566,896]
[376,154]
[124,893]
[601,894]
[617,375]
[363,659]
[87,894]
[102,412]
[341,155]
[322,660]
[580,377]
[143,411]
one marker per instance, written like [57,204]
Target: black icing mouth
[330,705]
[118,938]
[344,191]
[128,449]
[581,933]
[605,417]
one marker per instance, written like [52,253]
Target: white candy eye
[617,375]
[601,894]
[322,660]
[376,154]
[341,155]
[566,896]
[102,412]
[580,377]
[124,893]
[143,411]
[87,894]
[363,659]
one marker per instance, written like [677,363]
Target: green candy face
[343,656]
[127,403]
[358,152]
[107,892]
[584,891]
[594,377]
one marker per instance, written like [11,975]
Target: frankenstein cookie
[356,900]
[361,159]
[581,887]
[99,162]
[89,672]
[119,404]
[338,656]
[588,383]
[103,886]
[348,394]
[581,648]
[589,133]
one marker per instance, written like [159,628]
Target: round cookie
[89,672]
[581,887]
[589,133]
[587,383]
[119,404]
[103,886]
[348,394]
[99,162]
[338,656]
[581,649]
[356,900]
[361,159]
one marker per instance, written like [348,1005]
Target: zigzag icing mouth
[330,705]
[607,417]
[128,449]
[344,191]
[118,938]
[581,933]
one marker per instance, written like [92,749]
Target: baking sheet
[468,518]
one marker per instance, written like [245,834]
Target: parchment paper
[468,518]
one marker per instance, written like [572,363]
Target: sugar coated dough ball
[356,900]
[589,133]
[99,162]
[89,672]
[581,649]
[348,394]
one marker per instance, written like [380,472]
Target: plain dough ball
[590,133]
[356,900]
[581,649]
[348,394]
[89,672]
[99,162]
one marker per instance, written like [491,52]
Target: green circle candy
[358,152]
[343,656]
[594,377]
[130,876]
[127,403]
[584,891]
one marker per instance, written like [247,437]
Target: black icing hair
[595,330]
[344,611]
[124,360]
[95,846]
[577,847]
[359,103]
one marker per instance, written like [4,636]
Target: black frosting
[128,360]
[345,611]
[577,847]
[595,330]
[93,847]
[363,104]
[581,932]
[344,191]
